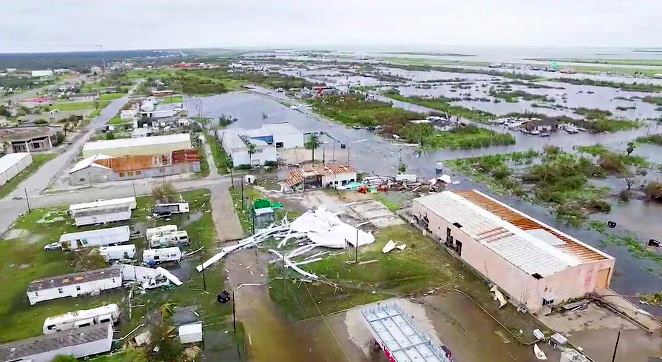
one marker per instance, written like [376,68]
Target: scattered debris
[539,353]
[498,296]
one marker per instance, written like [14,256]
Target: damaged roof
[298,175]
[74,278]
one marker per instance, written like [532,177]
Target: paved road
[39,181]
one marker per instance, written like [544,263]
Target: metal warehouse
[537,265]
[159,145]
[12,164]
[80,342]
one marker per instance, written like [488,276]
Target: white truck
[165,210]
[157,256]
[175,238]
[159,231]
[118,252]
[107,314]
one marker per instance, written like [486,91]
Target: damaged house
[320,176]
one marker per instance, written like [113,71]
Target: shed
[264,217]
[190,333]
[12,164]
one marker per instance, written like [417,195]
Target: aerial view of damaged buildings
[154,147]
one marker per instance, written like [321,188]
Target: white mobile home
[103,211]
[82,318]
[12,164]
[164,210]
[156,256]
[176,238]
[158,231]
[101,237]
[80,343]
[118,252]
[73,285]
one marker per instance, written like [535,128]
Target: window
[537,276]
[138,173]
[547,302]
[457,225]
[78,288]
[259,150]
[81,179]
[448,232]
[59,290]
[50,328]
[121,174]
[279,144]
[130,173]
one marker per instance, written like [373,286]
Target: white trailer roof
[403,340]
[110,309]
[11,159]
[100,203]
[118,234]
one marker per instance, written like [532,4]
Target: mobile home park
[82,318]
[101,237]
[73,285]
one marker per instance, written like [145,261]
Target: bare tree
[629,179]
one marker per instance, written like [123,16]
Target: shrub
[243,167]
[653,190]
[624,195]
[40,122]
[501,173]
[599,205]
[271,163]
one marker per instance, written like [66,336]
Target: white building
[80,343]
[156,256]
[535,264]
[42,73]
[118,252]
[12,164]
[321,175]
[141,132]
[190,333]
[73,285]
[128,113]
[101,237]
[82,318]
[102,211]
[266,140]
[159,145]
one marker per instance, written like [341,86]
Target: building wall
[262,155]
[128,113]
[289,140]
[571,283]
[36,144]
[90,175]
[95,175]
[12,171]
[72,291]
[340,179]
[103,218]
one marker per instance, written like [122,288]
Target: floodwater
[365,148]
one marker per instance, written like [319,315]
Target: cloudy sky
[61,25]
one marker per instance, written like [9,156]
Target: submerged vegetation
[654,139]
[443,104]
[356,110]
[513,96]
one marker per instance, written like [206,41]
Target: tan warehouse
[535,264]
[159,145]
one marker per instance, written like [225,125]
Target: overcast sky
[62,25]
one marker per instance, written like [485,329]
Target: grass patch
[554,179]
[393,206]
[38,159]
[655,139]
[422,266]
[221,158]
[443,104]
[117,120]
[110,96]
[173,99]
[25,260]
[514,96]
[356,109]
[79,106]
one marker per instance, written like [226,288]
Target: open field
[38,159]
[110,96]
[79,106]
[173,99]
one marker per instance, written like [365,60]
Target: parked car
[544,134]
[53,246]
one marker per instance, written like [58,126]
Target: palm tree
[251,151]
[167,309]
[312,143]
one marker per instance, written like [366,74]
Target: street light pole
[27,199]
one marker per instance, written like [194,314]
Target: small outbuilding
[12,164]
[190,333]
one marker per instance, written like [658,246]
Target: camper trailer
[118,252]
[165,210]
[176,238]
[159,231]
[156,256]
[101,237]
[82,318]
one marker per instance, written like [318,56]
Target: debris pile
[400,182]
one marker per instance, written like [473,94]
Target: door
[603,279]
[459,247]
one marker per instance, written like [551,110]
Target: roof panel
[134,142]
[11,159]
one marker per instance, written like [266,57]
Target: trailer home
[176,238]
[119,252]
[156,256]
[100,237]
[75,284]
[158,231]
[82,318]
[165,210]
[102,211]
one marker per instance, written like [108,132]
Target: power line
[327,323]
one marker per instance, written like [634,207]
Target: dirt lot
[595,330]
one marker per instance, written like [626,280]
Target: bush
[501,173]
[40,122]
[624,195]
[271,163]
[59,138]
[243,167]
[653,190]
[599,205]
[110,136]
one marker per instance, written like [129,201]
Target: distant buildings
[83,97]
[265,141]
[42,73]
[535,264]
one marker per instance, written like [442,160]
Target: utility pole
[253,227]
[285,283]
[242,194]
[204,280]
[234,314]
[356,247]
[133,183]
[348,155]
[616,346]
[27,199]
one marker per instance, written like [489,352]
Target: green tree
[402,168]
[630,148]
[251,151]
[132,354]
[96,104]
[110,136]
[59,138]
[64,358]
[167,309]
[312,143]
